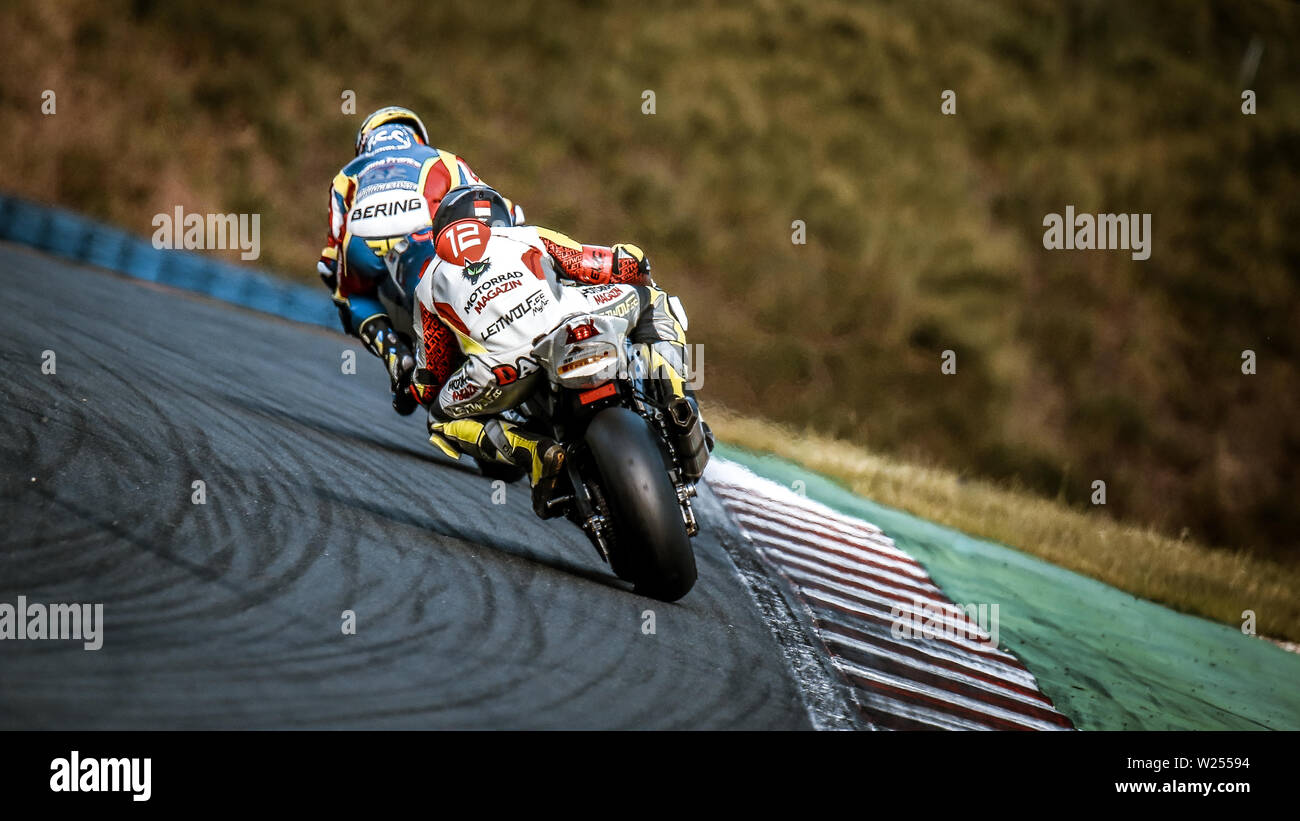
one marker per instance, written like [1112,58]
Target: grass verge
[1180,573]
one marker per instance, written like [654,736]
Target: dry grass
[1180,573]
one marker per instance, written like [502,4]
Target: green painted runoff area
[1107,659]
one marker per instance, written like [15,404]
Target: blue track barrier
[72,236]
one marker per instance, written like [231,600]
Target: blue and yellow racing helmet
[391,114]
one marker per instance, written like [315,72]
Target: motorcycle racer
[473,364]
[390,189]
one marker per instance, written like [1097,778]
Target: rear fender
[583,351]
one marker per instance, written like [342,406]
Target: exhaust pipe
[688,437]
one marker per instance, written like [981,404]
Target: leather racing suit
[388,191]
[472,363]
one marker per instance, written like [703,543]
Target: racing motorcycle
[634,452]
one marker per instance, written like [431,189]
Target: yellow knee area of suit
[439,442]
[466,431]
[445,435]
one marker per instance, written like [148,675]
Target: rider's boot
[692,438]
[503,441]
[545,482]
[404,402]
[540,455]
[378,334]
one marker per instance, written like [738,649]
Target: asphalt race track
[319,499]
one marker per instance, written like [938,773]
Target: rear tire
[654,552]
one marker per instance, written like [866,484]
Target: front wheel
[650,542]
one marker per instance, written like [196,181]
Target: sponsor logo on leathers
[535,303]
[387,209]
[492,288]
[509,374]
[474,270]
